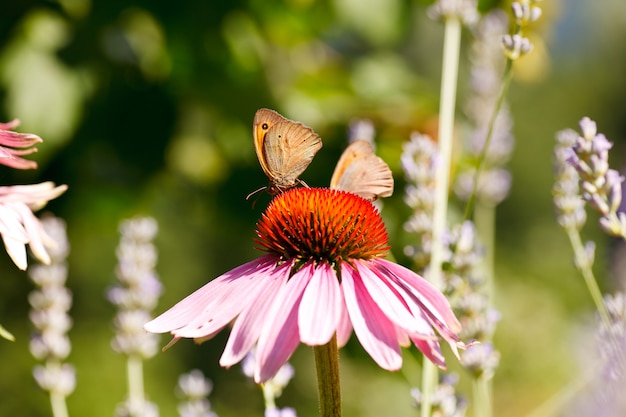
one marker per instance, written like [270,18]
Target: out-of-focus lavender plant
[494,181]
[50,302]
[445,401]
[604,386]
[136,296]
[273,388]
[515,45]
[419,159]
[461,280]
[194,388]
[582,173]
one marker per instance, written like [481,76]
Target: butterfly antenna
[254,192]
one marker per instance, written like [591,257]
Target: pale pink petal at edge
[374,330]
[280,335]
[194,306]
[320,308]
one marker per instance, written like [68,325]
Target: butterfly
[361,172]
[285,148]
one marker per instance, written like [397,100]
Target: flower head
[324,274]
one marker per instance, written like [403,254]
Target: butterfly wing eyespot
[361,172]
[284,148]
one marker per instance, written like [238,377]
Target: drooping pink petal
[432,351]
[200,305]
[389,299]
[420,325]
[320,308]
[248,325]
[374,330]
[280,335]
[433,300]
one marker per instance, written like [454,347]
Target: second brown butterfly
[361,172]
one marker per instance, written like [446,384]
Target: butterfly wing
[361,172]
[264,119]
[288,149]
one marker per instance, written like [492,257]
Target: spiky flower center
[322,225]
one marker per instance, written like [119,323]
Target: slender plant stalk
[58,404]
[484,221]
[449,75]
[57,400]
[506,81]
[328,385]
[590,279]
[482,397]
[430,379]
[134,370]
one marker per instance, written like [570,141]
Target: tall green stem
[590,280]
[58,404]
[481,389]
[492,122]
[328,385]
[449,74]
[134,370]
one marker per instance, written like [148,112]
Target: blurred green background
[145,107]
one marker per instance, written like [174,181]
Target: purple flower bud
[588,128]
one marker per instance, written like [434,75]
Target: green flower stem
[327,366]
[134,370]
[430,379]
[58,404]
[268,397]
[449,75]
[508,74]
[584,266]
[485,222]
[57,400]
[590,280]
[481,388]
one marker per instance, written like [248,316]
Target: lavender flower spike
[601,186]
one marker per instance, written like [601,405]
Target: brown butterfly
[284,148]
[361,172]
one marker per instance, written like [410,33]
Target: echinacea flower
[324,275]
[13,145]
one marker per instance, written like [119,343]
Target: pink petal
[36,233]
[200,307]
[280,335]
[389,300]
[248,325]
[374,330]
[320,308]
[433,301]
[432,351]
[344,327]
